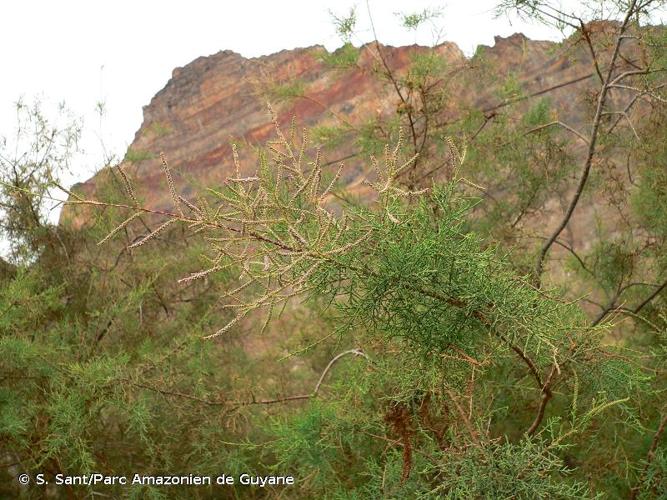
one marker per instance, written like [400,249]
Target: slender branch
[556,19]
[355,352]
[538,93]
[602,98]
[487,119]
[589,43]
[575,255]
[625,74]
[629,106]
[612,306]
[526,359]
[394,82]
[572,252]
[546,397]
[238,404]
[560,124]
[464,417]
[606,310]
[638,90]
[650,298]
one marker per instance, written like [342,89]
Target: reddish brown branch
[544,401]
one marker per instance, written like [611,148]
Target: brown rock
[216,100]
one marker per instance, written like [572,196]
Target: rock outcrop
[220,99]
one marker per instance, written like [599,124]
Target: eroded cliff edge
[220,99]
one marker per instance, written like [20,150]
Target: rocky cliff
[220,99]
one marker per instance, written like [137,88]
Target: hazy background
[119,54]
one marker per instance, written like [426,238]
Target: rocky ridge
[220,99]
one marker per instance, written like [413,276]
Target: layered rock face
[220,99]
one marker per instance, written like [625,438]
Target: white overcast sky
[123,52]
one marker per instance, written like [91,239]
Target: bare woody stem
[544,401]
[234,405]
[612,306]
